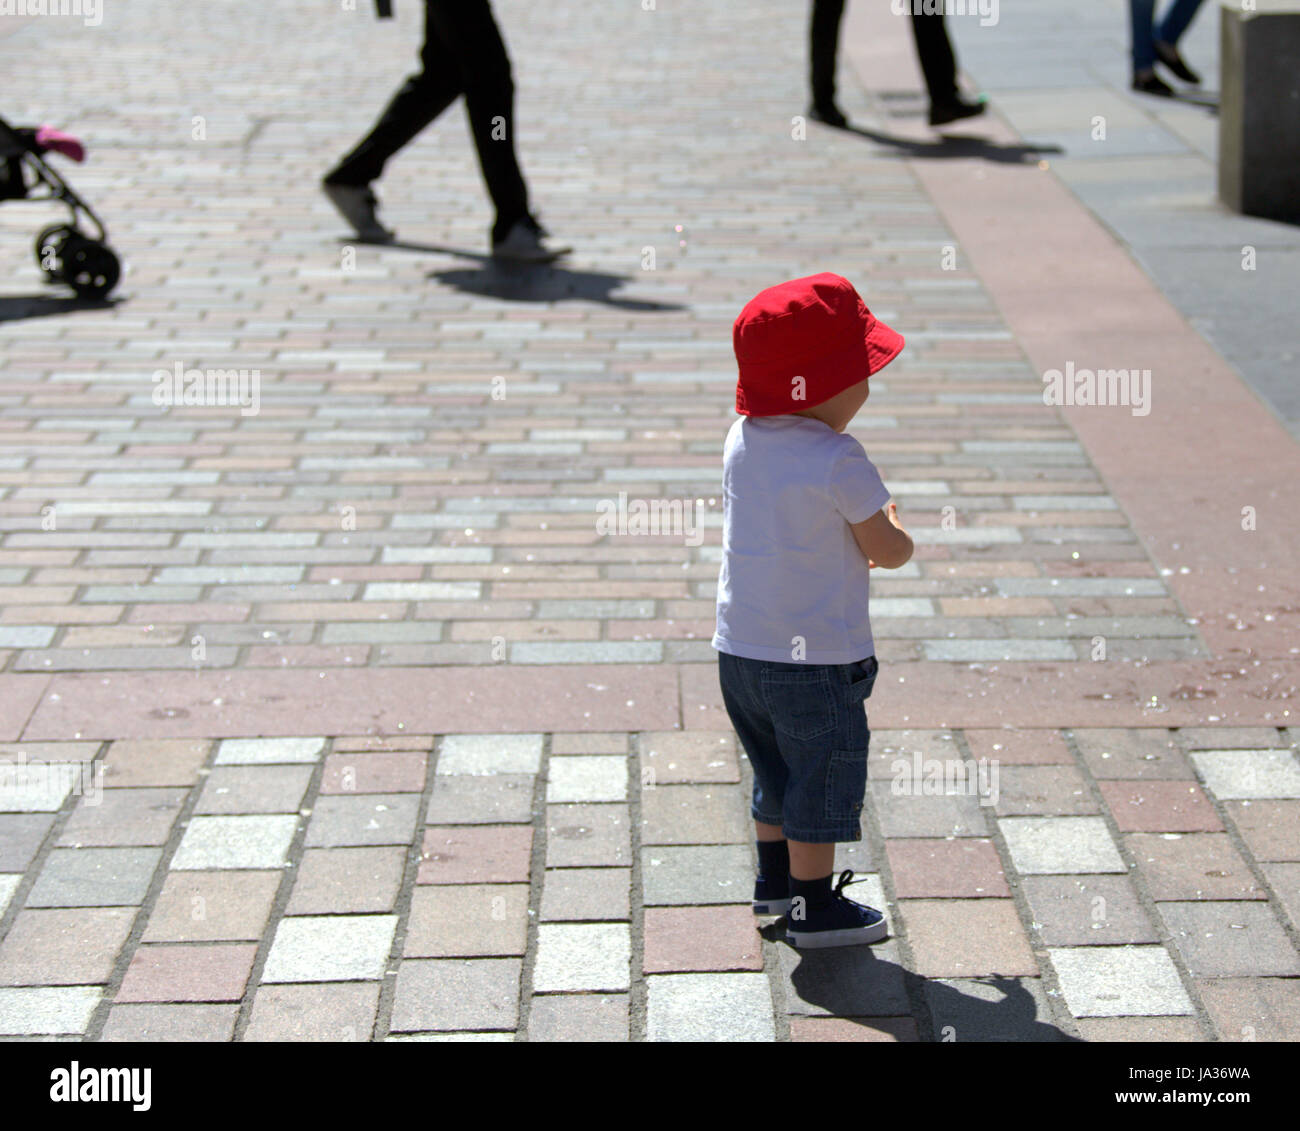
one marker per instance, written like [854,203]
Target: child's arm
[882,539]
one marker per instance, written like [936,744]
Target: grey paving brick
[480,799]
[121,817]
[94,877]
[440,994]
[704,874]
[335,880]
[21,835]
[588,836]
[254,789]
[1225,940]
[171,1022]
[371,818]
[586,893]
[1087,910]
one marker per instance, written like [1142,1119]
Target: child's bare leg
[811,861]
[807,861]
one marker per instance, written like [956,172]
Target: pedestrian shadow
[16,307]
[542,282]
[958,145]
[855,985]
[523,282]
[1205,99]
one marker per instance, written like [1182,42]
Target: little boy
[804,521]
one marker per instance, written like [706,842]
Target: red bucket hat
[816,328]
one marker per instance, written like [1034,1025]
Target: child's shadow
[854,984]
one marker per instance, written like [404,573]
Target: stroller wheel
[89,267]
[49,248]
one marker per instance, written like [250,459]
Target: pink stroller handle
[47,137]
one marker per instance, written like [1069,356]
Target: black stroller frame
[64,253]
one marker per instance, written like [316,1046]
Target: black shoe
[358,206]
[1148,83]
[828,113]
[527,242]
[944,112]
[1167,53]
[840,922]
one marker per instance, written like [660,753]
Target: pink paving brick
[961,868]
[493,854]
[682,939]
[379,772]
[1160,806]
[1021,747]
[266,703]
[208,972]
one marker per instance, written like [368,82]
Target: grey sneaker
[528,242]
[357,204]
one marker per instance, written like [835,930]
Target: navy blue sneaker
[840,923]
[771,897]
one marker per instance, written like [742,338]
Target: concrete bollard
[1259,107]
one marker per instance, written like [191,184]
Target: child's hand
[892,515]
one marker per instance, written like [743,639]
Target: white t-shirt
[791,568]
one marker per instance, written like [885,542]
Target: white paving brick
[586,778]
[1245,774]
[709,1007]
[490,754]
[235,842]
[1119,981]
[582,956]
[1060,845]
[330,948]
[268,751]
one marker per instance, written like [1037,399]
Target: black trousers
[933,48]
[463,53]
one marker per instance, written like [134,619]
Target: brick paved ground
[395,743]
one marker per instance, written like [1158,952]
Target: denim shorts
[804,729]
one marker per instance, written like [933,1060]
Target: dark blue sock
[816,893]
[773,859]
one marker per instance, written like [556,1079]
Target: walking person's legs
[485,76]
[823,48]
[474,40]
[420,100]
[1167,34]
[1142,14]
[1142,17]
[939,66]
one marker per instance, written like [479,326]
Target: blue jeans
[804,729]
[1145,31]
